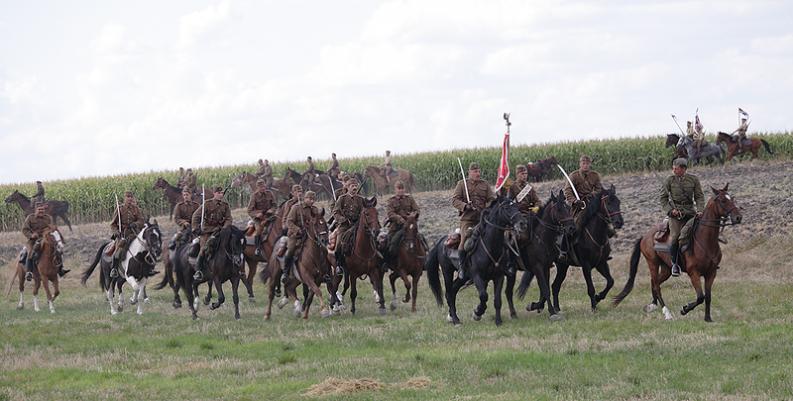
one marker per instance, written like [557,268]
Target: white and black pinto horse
[135,268]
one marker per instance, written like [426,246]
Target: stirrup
[29,276]
[198,275]
[114,272]
[675,270]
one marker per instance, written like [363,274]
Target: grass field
[83,353]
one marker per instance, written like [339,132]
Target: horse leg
[56,290]
[561,275]
[590,287]
[508,292]
[208,297]
[120,304]
[353,292]
[145,295]
[270,293]
[414,295]
[377,282]
[309,298]
[497,286]
[708,286]
[189,292]
[481,287]
[141,294]
[221,295]
[196,295]
[235,296]
[36,286]
[110,295]
[47,291]
[21,287]
[696,282]
[316,290]
[405,280]
[658,276]
[392,278]
[604,271]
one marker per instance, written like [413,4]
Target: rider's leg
[201,260]
[118,254]
[289,260]
[674,233]
[29,265]
[257,236]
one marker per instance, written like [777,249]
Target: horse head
[14,197]
[610,207]
[151,236]
[160,183]
[671,140]
[504,212]
[558,213]
[724,205]
[369,216]
[237,181]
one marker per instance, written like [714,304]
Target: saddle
[280,247]
[661,231]
[110,249]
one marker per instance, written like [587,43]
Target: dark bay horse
[273,233]
[136,267]
[181,263]
[540,168]
[700,260]
[539,249]
[751,145]
[709,151]
[409,263]
[173,194]
[224,265]
[381,186]
[486,261]
[55,208]
[591,245]
[46,270]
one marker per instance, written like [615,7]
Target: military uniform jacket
[684,192]
[481,194]
[35,225]
[287,207]
[348,208]
[399,207]
[529,201]
[183,212]
[129,214]
[190,181]
[300,216]
[585,183]
[265,170]
[262,201]
[217,216]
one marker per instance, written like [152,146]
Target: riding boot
[339,256]
[199,268]
[29,268]
[286,273]
[673,252]
[114,266]
[257,243]
[460,269]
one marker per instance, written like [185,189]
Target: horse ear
[154,222]
[322,212]
[725,187]
[613,189]
[373,201]
[715,191]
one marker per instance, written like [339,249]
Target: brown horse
[381,186]
[409,262]
[540,168]
[701,260]
[751,145]
[313,268]
[245,178]
[173,194]
[55,208]
[45,269]
[268,244]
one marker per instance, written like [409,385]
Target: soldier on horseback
[182,216]
[265,172]
[127,220]
[301,215]
[471,196]
[190,181]
[334,169]
[398,208]
[587,183]
[39,196]
[216,215]
[180,180]
[681,199]
[346,213]
[296,195]
[33,229]
[528,202]
[740,133]
[262,209]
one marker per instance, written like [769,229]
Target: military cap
[260,182]
[399,184]
[40,204]
[128,193]
[520,167]
[585,158]
[186,190]
[680,162]
[352,181]
[345,177]
[218,189]
[473,166]
[296,187]
[310,194]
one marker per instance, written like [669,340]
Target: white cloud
[198,24]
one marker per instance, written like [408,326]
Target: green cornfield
[93,199]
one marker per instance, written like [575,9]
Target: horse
[224,265]
[539,249]
[320,183]
[135,268]
[381,186]
[486,261]
[173,194]
[55,208]
[272,234]
[181,263]
[245,178]
[751,145]
[540,168]
[409,262]
[312,269]
[708,150]
[592,248]
[700,260]
[46,270]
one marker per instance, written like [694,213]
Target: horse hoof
[556,318]
[252,300]
[52,311]
[176,305]
[381,311]
[683,311]
[449,318]
[476,317]
[140,313]
[195,317]
[206,301]
[282,302]
[20,307]
[392,306]
[649,308]
[708,319]
[113,313]
[513,315]
[237,316]
[325,313]
[146,300]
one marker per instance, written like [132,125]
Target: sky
[92,88]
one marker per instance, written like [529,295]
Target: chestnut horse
[700,260]
[281,187]
[381,186]
[409,262]
[268,244]
[45,269]
[751,145]
[541,168]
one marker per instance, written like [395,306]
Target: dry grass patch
[335,386]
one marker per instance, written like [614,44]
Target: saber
[678,125]
[332,190]
[569,181]
[118,212]
[203,206]
[465,184]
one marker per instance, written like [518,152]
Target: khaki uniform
[190,182]
[587,184]
[686,194]
[39,196]
[740,133]
[389,168]
[397,209]
[183,213]
[217,216]
[481,194]
[346,212]
[299,217]
[334,169]
[339,192]
[529,201]
[262,202]
[35,225]
[130,214]
[287,207]
[265,172]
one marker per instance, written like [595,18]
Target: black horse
[486,261]
[591,247]
[539,247]
[224,264]
[136,267]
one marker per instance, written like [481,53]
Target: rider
[311,168]
[480,194]
[131,219]
[33,229]
[587,183]
[295,195]
[180,180]
[741,133]
[182,214]
[216,217]
[39,196]
[334,169]
[699,135]
[388,168]
[265,172]
[681,199]
[530,203]
[261,208]
[190,180]
[398,208]
[346,212]
[301,215]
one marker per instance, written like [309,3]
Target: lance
[678,125]
[569,181]
[332,190]
[203,205]
[465,184]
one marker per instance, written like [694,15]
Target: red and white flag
[503,167]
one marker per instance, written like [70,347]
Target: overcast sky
[103,87]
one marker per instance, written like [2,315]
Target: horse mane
[592,207]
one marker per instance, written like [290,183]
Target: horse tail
[767,147]
[64,213]
[97,258]
[634,266]
[167,276]
[432,268]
